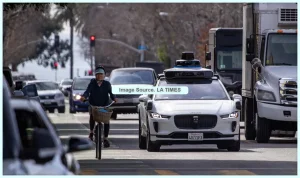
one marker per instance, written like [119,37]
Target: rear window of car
[81,83]
[121,77]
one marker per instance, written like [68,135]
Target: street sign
[141,47]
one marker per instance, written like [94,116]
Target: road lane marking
[236,172]
[88,172]
[165,172]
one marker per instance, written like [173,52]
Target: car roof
[37,81]
[133,68]
[84,77]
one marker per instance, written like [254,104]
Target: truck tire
[263,131]
[250,132]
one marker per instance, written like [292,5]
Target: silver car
[64,84]
[51,97]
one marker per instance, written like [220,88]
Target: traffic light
[92,41]
[55,64]
[56,41]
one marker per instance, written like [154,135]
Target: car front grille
[45,97]
[195,121]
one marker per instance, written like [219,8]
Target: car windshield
[229,58]
[81,84]
[132,77]
[67,83]
[282,49]
[46,86]
[197,90]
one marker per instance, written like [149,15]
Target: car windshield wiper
[284,64]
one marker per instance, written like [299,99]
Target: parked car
[130,77]
[32,118]
[78,87]
[50,96]
[12,146]
[64,84]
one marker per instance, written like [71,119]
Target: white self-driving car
[206,115]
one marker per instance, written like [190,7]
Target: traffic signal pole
[92,51]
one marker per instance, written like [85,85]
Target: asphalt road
[279,157]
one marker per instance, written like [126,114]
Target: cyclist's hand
[115,100]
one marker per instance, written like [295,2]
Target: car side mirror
[42,149]
[238,105]
[208,67]
[208,56]
[30,90]
[237,97]
[149,105]
[68,89]
[18,93]
[18,85]
[143,98]
[79,144]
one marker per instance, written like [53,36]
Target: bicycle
[100,115]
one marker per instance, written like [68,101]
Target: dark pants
[92,125]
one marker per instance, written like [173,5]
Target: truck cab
[269,70]
[224,57]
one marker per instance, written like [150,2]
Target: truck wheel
[263,131]
[142,139]
[250,133]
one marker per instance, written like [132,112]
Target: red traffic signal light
[92,41]
[55,65]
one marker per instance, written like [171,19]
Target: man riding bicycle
[97,92]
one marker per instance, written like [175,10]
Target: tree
[24,26]
[68,13]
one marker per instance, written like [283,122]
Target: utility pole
[142,48]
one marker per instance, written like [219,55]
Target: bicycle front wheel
[99,140]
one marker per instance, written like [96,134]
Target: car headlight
[59,95]
[159,116]
[265,95]
[76,97]
[234,114]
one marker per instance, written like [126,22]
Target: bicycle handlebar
[102,107]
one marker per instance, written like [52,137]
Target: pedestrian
[97,93]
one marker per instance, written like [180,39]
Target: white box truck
[269,79]
[224,57]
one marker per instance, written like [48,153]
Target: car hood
[193,107]
[78,92]
[48,92]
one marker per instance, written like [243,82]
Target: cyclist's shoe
[106,143]
[91,136]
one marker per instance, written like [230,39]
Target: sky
[49,74]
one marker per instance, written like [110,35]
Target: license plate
[47,102]
[195,136]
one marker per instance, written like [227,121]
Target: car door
[28,120]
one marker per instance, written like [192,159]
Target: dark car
[130,76]
[78,87]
